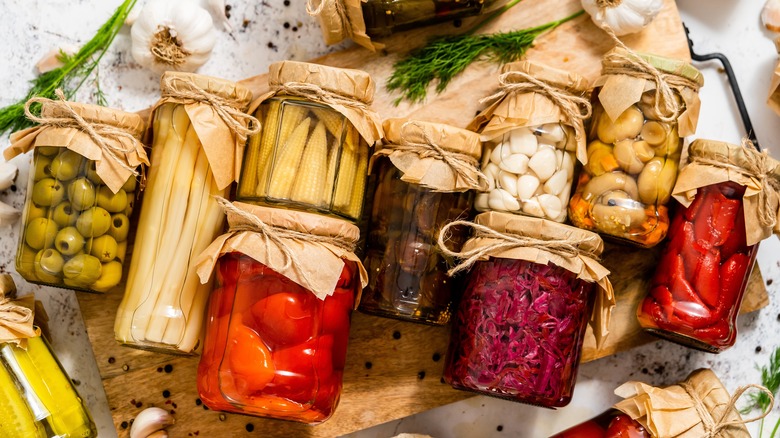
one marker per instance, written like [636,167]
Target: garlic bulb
[623,16]
[172,35]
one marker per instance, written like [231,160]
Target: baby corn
[311,174]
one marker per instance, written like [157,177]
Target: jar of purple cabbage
[530,294]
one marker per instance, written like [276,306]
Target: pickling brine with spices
[643,107]
[531,292]
[198,127]
[279,316]
[426,173]
[313,151]
[729,205]
[534,134]
[80,195]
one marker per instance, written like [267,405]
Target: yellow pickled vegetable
[290,115]
[330,178]
[310,177]
[287,161]
[347,174]
[333,120]
[16,420]
[358,192]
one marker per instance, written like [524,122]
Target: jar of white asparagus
[315,143]
[198,127]
[82,187]
[533,133]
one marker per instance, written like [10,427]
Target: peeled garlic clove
[523,141]
[533,208]
[8,172]
[500,151]
[626,157]
[501,200]
[515,163]
[558,158]
[508,182]
[551,205]
[627,125]
[149,421]
[481,202]
[568,164]
[8,214]
[543,163]
[770,15]
[654,133]
[556,183]
[490,176]
[564,196]
[526,186]
[552,132]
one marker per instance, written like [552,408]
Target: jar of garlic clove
[533,133]
[643,107]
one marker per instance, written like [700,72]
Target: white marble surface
[267,31]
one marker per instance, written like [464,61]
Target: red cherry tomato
[301,369]
[228,269]
[622,426]
[286,318]
[249,359]
[588,429]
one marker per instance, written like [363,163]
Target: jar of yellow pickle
[317,131]
[643,108]
[81,190]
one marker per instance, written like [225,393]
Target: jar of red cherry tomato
[520,325]
[698,285]
[278,320]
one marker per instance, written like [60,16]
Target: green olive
[69,241]
[66,165]
[83,268]
[48,192]
[50,261]
[103,247]
[130,185]
[120,226]
[64,214]
[81,193]
[92,173]
[113,202]
[40,233]
[34,212]
[121,250]
[42,167]
[49,151]
[130,204]
[93,222]
[41,274]
[110,276]
[25,262]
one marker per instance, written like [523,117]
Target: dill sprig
[76,69]
[770,379]
[443,58]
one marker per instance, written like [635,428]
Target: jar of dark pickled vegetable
[642,111]
[697,288]
[317,133]
[80,195]
[426,173]
[520,325]
[277,332]
[611,424]
[362,20]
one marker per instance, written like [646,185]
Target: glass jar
[531,149]
[75,224]
[309,156]
[610,424]
[385,17]
[633,153]
[164,301]
[37,399]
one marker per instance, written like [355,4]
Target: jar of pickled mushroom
[697,407]
[519,328]
[80,194]
[729,203]
[426,173]
[317,132]
[643,107]
[279,317]
[363,20]
[198,127]
[37,398]
[534,134]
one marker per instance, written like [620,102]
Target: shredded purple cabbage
[519,331]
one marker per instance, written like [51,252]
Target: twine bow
[575,108]
[566,248]
[756,167]
[105,136]
[713,427]
[338,6]
[240,123]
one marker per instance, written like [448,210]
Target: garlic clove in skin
[770,15]
[8,172]
[51,60]
[172,35]
[151,421]
[8,215]
[623,16]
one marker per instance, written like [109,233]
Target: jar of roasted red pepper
[698,285]
[643,108]
[520,325]
[611,424]
[426,176]
[278,319]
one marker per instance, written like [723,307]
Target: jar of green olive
[80,194]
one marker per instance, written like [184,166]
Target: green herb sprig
[770,379]
[443,58]
[76,69]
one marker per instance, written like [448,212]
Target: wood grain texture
[403,378]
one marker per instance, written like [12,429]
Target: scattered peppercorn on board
[395,362]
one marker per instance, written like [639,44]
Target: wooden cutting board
[393,368]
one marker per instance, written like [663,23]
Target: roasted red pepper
[612,424]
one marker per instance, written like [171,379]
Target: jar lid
[552,76]
[303,222]
[350,83]
[726,153]
[130,122]
[175,83]
[401,130]
[667,65]
[541,229]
